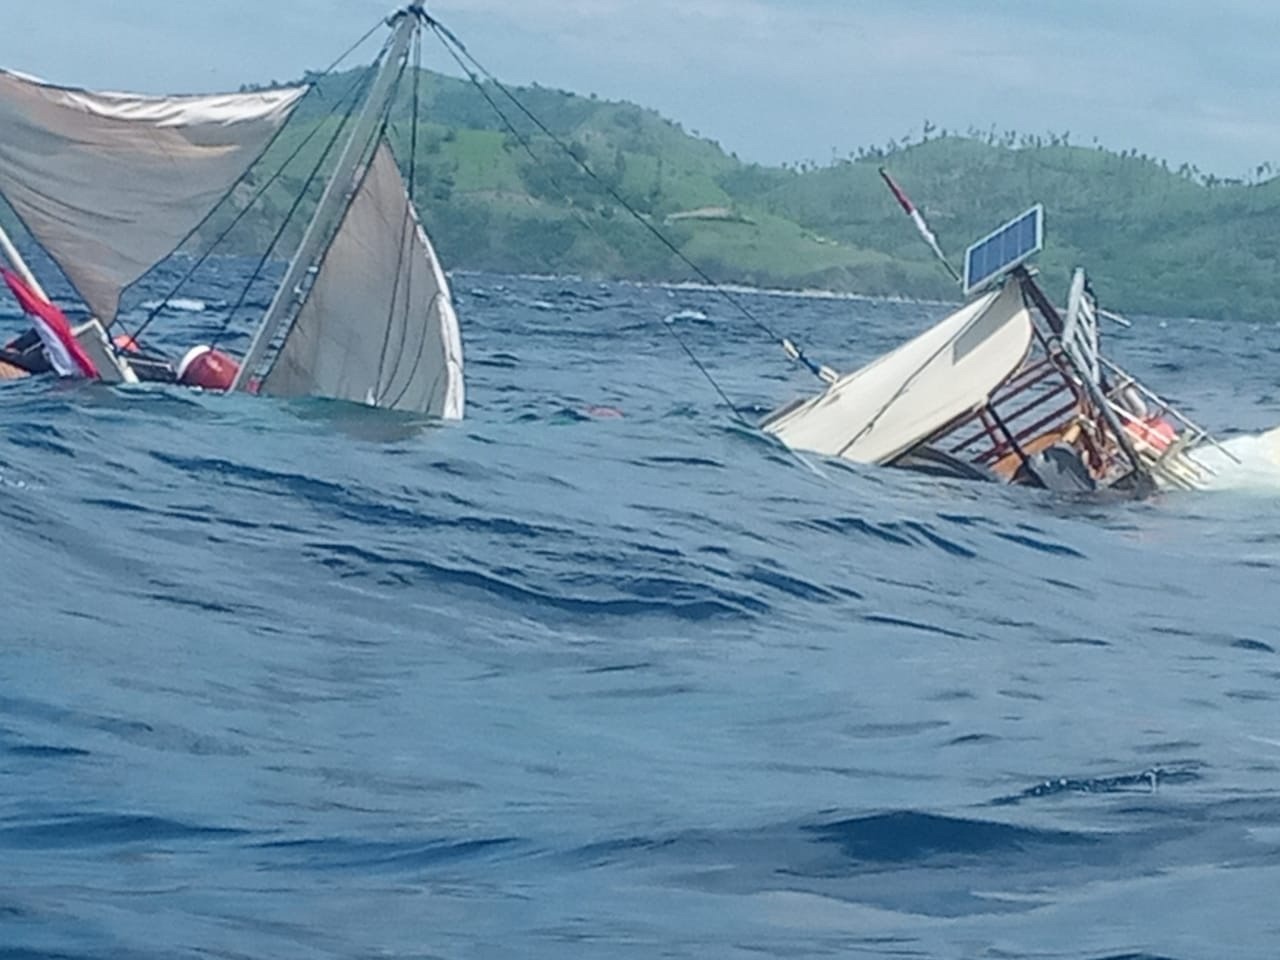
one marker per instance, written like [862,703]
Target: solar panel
[1000,251]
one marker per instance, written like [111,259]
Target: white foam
[684,315]
[181,304]
[1256,465]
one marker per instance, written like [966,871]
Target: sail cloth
[378,326]
[109,184]
[889,406]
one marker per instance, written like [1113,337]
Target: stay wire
[346,53]
[459,51]
[368,154]
[244,211]
[297,203]
[702,369]
[411,215]
[313,87]
[408,213]
[525,143]
[528,147]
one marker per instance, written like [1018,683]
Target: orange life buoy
[1156,432]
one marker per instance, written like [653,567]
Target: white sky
[773,80]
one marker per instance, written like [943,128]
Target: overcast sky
[773,80]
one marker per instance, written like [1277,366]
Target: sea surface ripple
[599,673]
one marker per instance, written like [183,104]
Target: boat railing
[1036,407]
[1177,461]
[1125,381]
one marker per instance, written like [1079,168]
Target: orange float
[208,368]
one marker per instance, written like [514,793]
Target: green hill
[1154,240]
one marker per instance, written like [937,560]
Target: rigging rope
[408,214]
[302,194]
[244,211]
[458,51]
[524,142]
[702,369]
[313,87]
[528,148]
[371,148]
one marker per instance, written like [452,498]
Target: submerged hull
[1003,390]
[881,411]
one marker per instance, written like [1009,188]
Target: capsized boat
[1007,388]
[110,185]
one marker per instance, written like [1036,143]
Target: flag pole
[923,228]
[19,265]
[918,219]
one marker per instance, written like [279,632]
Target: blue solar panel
[1000,251]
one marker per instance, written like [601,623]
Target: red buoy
[1157,432]
[206,367]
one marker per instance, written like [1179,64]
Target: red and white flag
[918,219]
[65,354]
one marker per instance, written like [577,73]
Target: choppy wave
[183,305]
[302,679]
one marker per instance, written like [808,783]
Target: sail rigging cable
[333,199]
[375,140]
[312,88]
[463,56]
[406,221]
[107,183]
[294,207]
[528,148]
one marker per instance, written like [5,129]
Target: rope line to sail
[365,168]
[702,369]
[528,148]
[405,224]
[200,261]
[410,224]
[346,53]
[459,52]
[293,209]
[524,142]
[312,87]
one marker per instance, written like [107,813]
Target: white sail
[110,183]
[879,412]
[378,325]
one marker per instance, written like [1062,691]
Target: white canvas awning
[884,409]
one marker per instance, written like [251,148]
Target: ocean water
[599,673]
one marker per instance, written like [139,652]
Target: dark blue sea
[296,679]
